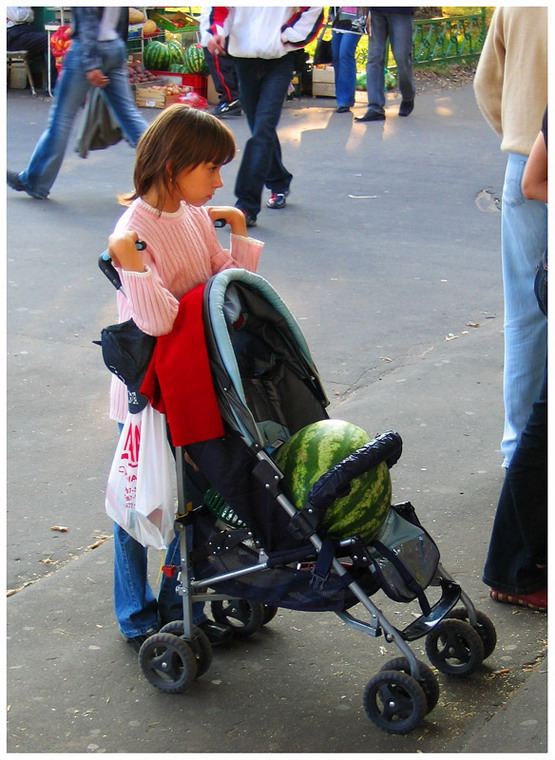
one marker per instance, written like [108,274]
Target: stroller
[252,550]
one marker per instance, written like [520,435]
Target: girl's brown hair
[180,137]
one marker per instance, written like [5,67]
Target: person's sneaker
[277,200]
[233,108]
[136,642]
[217,111]
[535,601]
[217,633]
[406,107]
[249,218]
[16,184]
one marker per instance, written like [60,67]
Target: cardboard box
[323,90]
[198,82]
[152,97]
[323,74]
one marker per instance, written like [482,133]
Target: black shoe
[406,107]
[249,218]
[217,633]
[230,109]
[14,182]
[371,115]
[342,109]
[137,641]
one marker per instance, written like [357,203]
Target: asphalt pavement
[388,256]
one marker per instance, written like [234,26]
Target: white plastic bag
[140,490]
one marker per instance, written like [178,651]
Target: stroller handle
[335,483]
[108,269]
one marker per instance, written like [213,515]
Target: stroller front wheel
[454,647]
[426,679]
[201,646]
[394,701]
[484,626]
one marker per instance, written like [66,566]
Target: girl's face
[197,186]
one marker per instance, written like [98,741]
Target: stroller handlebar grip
[335,483]
[108,269]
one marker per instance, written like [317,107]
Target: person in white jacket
[262,42]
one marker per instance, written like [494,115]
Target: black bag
[323,54]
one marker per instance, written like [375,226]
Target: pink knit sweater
[182,251]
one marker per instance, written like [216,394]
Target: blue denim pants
[263,85]
[70,93]
[343,47]
[519,537]
[398,28]
[523,242]
[137,608]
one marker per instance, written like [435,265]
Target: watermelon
[157,56]
[314,450]
[176,52]
[195,60]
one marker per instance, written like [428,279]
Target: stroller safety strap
[335,483]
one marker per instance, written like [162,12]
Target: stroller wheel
[426,679]
[454,647]
[484,626]
[202,649]
[269,613]
[243,617]
[168,662]
[394,701]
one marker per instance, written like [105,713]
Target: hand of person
[123,252]
[97,78]
[233,216]
[216,45]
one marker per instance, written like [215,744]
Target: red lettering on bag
[131,446]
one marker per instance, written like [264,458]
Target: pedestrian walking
[395,25]
[262,42]
[97,58]
[177,171]
[224,76]
[348,26]
[511,90]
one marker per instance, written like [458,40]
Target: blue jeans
[263,88]
[343,46]
[523,241]
[71,90]
[519,537]
[137,609]
[398,27]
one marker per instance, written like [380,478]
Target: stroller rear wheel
[269,613]
[454,647]
[168,662]
[243,617]
[394,701]
[484,626]
[426,679]
[202,649]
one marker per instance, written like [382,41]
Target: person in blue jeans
[97,58]
[348,26]
[394,24]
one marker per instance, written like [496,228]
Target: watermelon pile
[195,61]
[314,450]
[157,56]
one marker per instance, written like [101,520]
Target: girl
[177,171]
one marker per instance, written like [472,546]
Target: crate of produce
[159,95]
[198,82]
[173,22]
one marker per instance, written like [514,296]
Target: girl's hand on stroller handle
[123,248]
[222,215]
[107,267]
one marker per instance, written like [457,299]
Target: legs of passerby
[523,241]
[344,45]
[118,93]
[263,87]
[375,77]
[224,76]
[400,34]
[516,563]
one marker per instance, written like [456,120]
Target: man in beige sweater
[511,91]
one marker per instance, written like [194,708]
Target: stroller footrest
[424,624]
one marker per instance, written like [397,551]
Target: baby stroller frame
[329,575]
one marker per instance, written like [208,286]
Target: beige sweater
[511,78]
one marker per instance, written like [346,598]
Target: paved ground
[393,272]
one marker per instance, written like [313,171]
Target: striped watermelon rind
[195,60]
[156,56]
[314,450]
[176,52]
